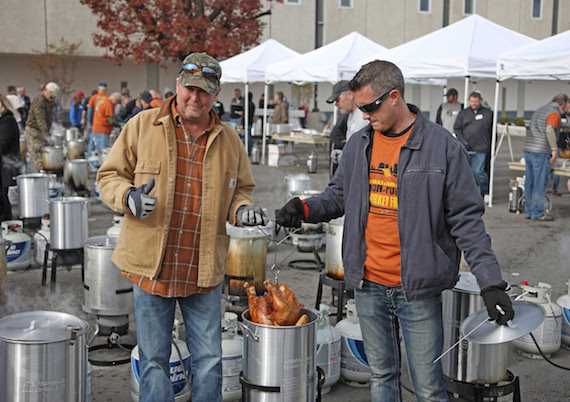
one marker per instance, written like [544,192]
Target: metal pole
[265,97]
[493,144]
[246,117]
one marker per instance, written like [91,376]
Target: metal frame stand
[463,391]
[67,257]
[341,289]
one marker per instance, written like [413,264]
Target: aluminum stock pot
[33,190]
[76,149]
[75,174]
[279,362]
[68,222]
[72,134]
[52,158]
[469,362]
[333,261]
[43,357]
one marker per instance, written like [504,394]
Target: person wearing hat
[143,103]
[39,123]
[179,174]
[76,109]
[343,99]
[448,111]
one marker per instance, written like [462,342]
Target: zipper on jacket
[418,170]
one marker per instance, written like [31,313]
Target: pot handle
[247,332]
[92,336]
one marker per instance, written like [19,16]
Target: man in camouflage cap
[178,174]
[39,123]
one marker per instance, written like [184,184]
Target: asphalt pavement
[526,250]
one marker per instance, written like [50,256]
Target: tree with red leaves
[146,31]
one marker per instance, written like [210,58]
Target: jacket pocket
[220,259]
[144,170]
[143,246]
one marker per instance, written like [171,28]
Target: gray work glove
[251,215]
[336,155]
[140,203]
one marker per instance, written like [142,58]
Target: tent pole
[264,130]
[466,91]
[246,117]
[494,143]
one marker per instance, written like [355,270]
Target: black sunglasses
[373,106]
[206,71]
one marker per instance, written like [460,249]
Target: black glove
[496,299]
[291,214]
[140,203]
[251,215]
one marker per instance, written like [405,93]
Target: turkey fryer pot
[279,362]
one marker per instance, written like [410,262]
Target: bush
[519,121]
[504,120]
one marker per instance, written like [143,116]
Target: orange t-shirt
[155,102]
[103,109]
[382,237]
[554,119]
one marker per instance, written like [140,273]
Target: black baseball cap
[338,88]
[451,91]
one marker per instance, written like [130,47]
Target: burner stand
[464,391]
[65,257]
[341,288]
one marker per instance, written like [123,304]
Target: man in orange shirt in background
[156,98]
[103,121]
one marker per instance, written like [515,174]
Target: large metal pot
[247,255]
[68,222]
[296,184]
[43,357]
[469,362]
[106,291]
[23,147]
[4,247]
[333,260]
[58,139]
[280,361]
[33,190]
[75,173]
[52,158]
[103,152]
[72,134]
[76,149]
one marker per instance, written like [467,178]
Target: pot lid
[467,283]
[249,232]
[40,327]
[106,242]
[68,200]
[298,177]
[528,317]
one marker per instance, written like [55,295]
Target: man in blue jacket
[411,206]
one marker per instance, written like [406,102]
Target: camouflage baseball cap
[192,73]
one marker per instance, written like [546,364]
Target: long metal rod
[460,339]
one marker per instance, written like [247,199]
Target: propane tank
[41,239]
[19,255]
[96,190]
[232,358]
[182,391]
[548,334]
[312,162]
[354,368]
[328,350]
[515,195]
[88,382]
[115,230]
[564,303]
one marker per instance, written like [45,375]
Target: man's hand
[498,304]
[336,154]
[251,215]
[554,156]
[139,202]
[291,214]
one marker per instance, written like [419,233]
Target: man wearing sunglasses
[411,206]
[179,174]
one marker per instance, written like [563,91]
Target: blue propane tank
[354,368]
[19,254]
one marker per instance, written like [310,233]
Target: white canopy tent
[249,67]
[465,49]
[328,63]
[548,59]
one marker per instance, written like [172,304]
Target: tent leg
[264,131]
[246,117]
[493,143]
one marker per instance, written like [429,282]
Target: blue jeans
[382,311]
[99,141]
[202,322]
[478,170]
[538,168]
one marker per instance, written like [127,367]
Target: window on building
[468,6]
[424,6]
[536,8]
[346,4]
[295,2]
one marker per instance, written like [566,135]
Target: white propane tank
[232,358]
[328,350]
[41,239]
[354,368]
[19,255]
[564,303]
[182,391]
[96,191]
[115,230]
[548,334]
